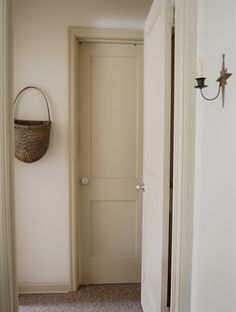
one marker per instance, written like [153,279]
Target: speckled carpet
[91,298]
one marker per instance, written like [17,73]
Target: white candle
[200,71]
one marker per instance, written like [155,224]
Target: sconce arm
[211,99]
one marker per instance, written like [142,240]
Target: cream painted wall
[214,253]
[42,188]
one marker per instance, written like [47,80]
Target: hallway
[92,298]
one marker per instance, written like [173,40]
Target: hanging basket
[31,136]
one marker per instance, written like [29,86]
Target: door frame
[8,290]
[184,152]
[91,35]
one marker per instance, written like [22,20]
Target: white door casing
[8,290]
[157,92]
[110,94]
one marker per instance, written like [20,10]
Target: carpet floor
[91,298]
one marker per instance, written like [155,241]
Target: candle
[200,72]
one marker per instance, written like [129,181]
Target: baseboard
[40,288]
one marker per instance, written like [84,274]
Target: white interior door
[157,100]
[111,157]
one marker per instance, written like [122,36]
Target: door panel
[102,215]
[157,73]
[113,108]
[110,155]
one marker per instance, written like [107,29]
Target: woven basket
[31,136]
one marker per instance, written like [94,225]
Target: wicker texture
[31,136]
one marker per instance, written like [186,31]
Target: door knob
[84,181]
[140,187]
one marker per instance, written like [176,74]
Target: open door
[157,100]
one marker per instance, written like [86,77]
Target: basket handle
[41,91]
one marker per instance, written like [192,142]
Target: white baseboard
[40,288]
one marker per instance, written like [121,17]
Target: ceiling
[131,12]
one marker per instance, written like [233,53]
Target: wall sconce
[224,75]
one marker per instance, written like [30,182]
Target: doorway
[84,178]
[183,175]
[110,147]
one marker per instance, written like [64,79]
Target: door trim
[8,290]
[184,153]
[83,34]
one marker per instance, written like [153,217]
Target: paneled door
[157,93]
[110,161]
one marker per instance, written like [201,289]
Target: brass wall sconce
[224,75]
